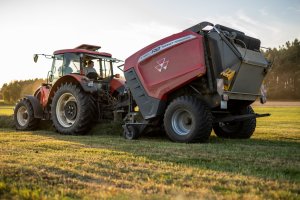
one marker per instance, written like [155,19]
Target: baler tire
[237,130]
[131,134]
[72,110]
[188,119]
[24,116]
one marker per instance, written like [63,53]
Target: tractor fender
[37,107]
[75,79]
[42,94]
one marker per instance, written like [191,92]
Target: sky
[123,27]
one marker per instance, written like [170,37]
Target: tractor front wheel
[238,130]
[24,116]
[187,119]
[72,110]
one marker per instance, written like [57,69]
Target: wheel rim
[182,121]
[22,116]
[66,110]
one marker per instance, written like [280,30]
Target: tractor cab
[75,61]
[84,66]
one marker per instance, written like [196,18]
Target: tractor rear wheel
[238,130]
[72,110]
[24,116]
[187,119]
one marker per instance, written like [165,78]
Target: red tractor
[203,78]
[74,96]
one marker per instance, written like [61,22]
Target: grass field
[102,165]
[6,110]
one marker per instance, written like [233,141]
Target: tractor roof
[88,47]
[84,48]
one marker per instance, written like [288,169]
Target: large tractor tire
[237,130]
[24,116]
[188,119]
[72,110]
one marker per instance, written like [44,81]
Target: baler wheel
[24,116]
[131,133]
[188,119]
[237,130]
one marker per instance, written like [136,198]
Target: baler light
[220,86]
[263,91]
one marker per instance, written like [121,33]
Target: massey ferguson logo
[162,64]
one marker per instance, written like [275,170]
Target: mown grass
[6,110]
[102,165]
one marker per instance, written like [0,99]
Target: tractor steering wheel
[92,75]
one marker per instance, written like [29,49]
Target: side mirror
[35,57]
[51,78]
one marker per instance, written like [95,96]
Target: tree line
[282,82]
[13,91]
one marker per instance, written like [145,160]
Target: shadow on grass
[254,157]
[6,121]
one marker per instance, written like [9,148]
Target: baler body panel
[168,63]
[251,73]
[250,69]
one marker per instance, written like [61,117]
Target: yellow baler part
[136,109]
[227,75]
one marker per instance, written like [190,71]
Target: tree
[14,90]
[283,80]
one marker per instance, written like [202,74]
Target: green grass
[6,116]
[6,110]
[102,165]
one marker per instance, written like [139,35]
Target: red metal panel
[115,84]
[44,91]
[172,67]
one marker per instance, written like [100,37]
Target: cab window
[56,65]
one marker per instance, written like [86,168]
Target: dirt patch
[278,103]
